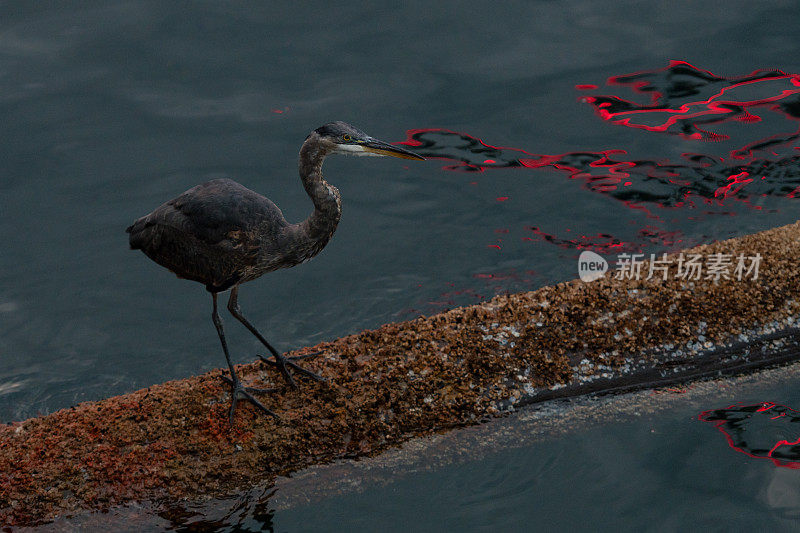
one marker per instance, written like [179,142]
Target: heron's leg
[239,392]
[281,361]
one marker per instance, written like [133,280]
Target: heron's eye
[346,137]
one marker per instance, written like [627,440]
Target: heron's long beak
[381,148]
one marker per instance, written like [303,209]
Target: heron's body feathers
[218,233]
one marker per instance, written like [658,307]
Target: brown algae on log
[406,379]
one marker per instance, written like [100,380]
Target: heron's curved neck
[318,227]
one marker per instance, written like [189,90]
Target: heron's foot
[285,363]
[240,392]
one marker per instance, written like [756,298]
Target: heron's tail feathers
[137,233]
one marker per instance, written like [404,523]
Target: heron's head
[345,139]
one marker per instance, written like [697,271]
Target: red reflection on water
[729,99]
[740,179]
[488,284]
[606,243]
[759,431]
[681,100]
[600,242]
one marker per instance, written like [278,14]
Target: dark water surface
[662,471]
[110,108]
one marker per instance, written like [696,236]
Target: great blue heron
[222,234]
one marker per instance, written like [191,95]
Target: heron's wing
[211,233]
[222,211]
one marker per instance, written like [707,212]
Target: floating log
[402,380]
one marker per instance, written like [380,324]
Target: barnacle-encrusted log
[387,385]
